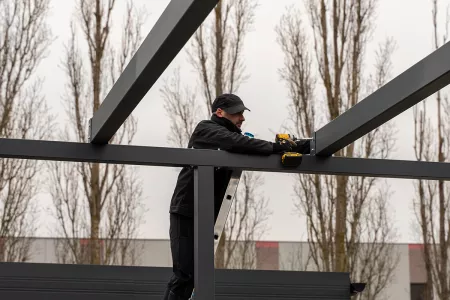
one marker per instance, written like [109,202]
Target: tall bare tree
[347,218]
[24,39]
[216,55]
[98,207]
[432,136]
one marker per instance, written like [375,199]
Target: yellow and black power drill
[290,159]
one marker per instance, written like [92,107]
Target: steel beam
[412,86]
[176,157]
[52,281]
[204,233]
[168,36]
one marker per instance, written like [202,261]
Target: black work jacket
[216,133]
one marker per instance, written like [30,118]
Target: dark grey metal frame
[168,36]
[406,90]
[48,281]
[174,28]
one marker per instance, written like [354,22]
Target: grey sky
[408,21]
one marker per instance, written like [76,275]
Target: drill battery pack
[291,159]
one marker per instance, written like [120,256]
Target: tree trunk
[340,227]
[95,216]
[443,242]
[219,49]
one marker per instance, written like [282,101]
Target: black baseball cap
[230,103]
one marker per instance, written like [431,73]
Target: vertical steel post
[204,233]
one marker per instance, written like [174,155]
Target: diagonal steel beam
[172,31]
[412,86]
[176,157]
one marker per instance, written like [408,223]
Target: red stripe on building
[415,246]
[267,255]
[267,244]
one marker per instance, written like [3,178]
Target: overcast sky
[407,21]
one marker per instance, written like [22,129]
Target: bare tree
[432,201]
[347,220]
[98,207]
[216,55]
[181,105]
[24,39]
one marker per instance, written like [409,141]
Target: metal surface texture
[203,233]
[177,157]
[22,281]
[412,86]
[227,202]
[168,36]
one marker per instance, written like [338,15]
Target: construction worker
[222,131]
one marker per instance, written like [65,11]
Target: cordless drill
[291,159]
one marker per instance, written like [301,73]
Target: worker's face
[237,119]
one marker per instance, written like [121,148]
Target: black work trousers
[182,246]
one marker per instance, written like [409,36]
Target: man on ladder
[221,132]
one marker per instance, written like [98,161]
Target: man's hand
[290,141]
[302,146]
[283,146]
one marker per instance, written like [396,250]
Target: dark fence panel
[20,281]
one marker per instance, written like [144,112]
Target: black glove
[282,146]
[302,146]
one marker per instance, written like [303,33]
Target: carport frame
[174,28]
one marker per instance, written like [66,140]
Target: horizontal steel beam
[412,86]
[176,157]
[168,36]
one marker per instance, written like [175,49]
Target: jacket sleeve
[216,137]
